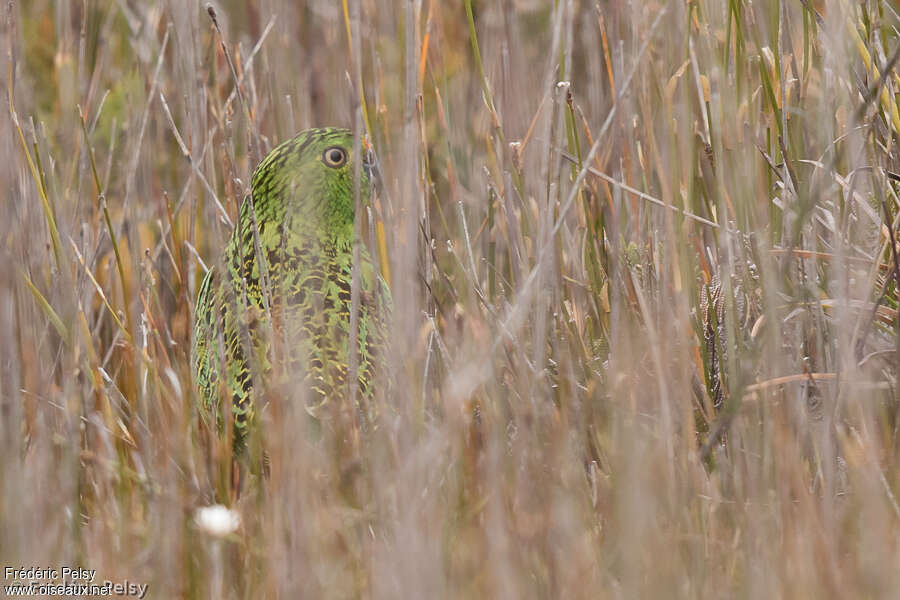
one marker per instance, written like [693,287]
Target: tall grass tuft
[644,263]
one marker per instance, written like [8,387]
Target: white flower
[217,520]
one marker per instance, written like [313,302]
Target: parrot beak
[370,164]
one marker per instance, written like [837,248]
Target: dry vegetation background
[645,339]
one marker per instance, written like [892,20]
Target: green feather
[276,311]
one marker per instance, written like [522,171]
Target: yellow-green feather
[278,301]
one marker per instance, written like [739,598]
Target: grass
[645,277]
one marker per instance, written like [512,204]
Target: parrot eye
[335,157]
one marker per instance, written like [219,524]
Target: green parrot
[275,311]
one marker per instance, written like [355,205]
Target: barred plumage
[276,309]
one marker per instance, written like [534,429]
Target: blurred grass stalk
[644,267]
